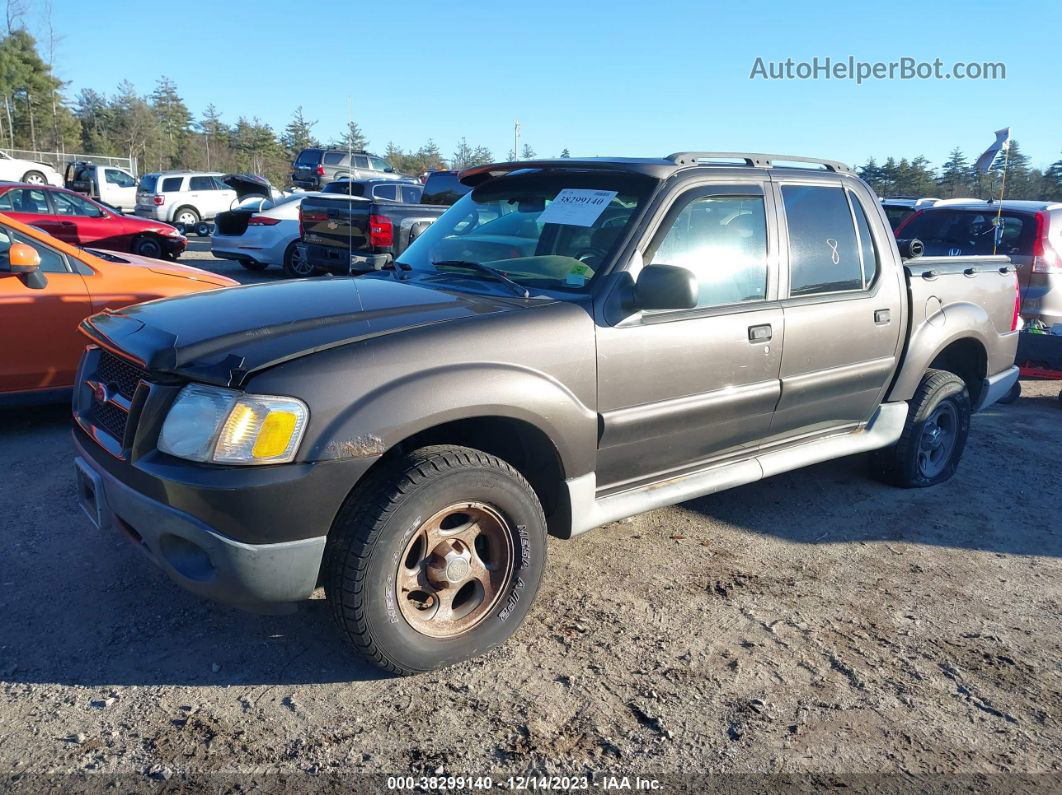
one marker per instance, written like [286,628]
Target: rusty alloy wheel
[454,569]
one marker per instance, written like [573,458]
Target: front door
[844,315]
[83,223]
[679,388]
[42,343]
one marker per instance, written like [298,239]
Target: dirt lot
[815,623]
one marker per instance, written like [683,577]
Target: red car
[79,221]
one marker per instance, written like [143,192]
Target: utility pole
[516,140]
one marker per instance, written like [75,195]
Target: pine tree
[352,138]
[1052,182]
[528,153]
[174,119]
[1018,180]
[565,153]
[298,135]
[954,180]
[429,158]
[462,156]
[214,133]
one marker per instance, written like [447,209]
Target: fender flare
[955,322]
[425,399]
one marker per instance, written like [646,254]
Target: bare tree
[16,15]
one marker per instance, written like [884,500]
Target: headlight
[224,426]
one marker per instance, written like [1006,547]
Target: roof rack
[751,159]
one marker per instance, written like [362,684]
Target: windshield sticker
[577,207]
[578,275]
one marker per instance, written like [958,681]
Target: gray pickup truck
[573,342]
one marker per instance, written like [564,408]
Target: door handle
[882,316]
[760,333]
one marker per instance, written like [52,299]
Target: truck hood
[221,337]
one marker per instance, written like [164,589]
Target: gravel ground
[817,623]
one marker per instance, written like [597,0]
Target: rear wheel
[148,246]
[435,559]
[295,264]
[253,265]
[34,178]
[934,435]
[186,217]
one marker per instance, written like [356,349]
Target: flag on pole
[984,162]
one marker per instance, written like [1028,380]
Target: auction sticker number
[577,207]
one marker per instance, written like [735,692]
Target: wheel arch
[956,343]
[177,211]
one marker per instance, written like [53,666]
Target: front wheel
[933,438]
[34,178]
[148,246]
[435,559]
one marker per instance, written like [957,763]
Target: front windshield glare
[550,231]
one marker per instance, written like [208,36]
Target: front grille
[118,373]
[109,418]
[105,403]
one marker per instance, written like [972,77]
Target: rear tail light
[905,222]
[159,199]
[381,231]
[1045,258]
[1017,304]
[309,218]
[320,171]
[262,220]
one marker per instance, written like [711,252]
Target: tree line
[957,178]
[160,131]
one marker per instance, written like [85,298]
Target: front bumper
[188,527]
[174,246]
[194,555]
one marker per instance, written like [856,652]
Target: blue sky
[597,77]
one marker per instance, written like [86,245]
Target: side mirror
[23,259]
[665,287]
[25,262]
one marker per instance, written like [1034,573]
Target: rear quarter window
[172,184]
[333,158]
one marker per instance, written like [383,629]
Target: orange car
[47,287]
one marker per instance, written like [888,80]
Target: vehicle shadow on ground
[840,501]
[84,607]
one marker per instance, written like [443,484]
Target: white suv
[183,197]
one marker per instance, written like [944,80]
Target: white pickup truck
[108,184]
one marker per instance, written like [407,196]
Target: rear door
[682,387]
[85,224]
[44,322]
[30,206]
[118,188]
[844,310]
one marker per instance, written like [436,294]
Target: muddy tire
[295,265]
[435,558]
[938,422]
[148,246]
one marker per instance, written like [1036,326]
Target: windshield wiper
[516,287]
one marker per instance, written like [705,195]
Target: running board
[589,512]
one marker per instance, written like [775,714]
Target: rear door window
[29,200]
[823,248]
[119,178]
[411,194]
[333,158]
[68,204]
[172,184]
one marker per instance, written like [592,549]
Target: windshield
[548,230]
